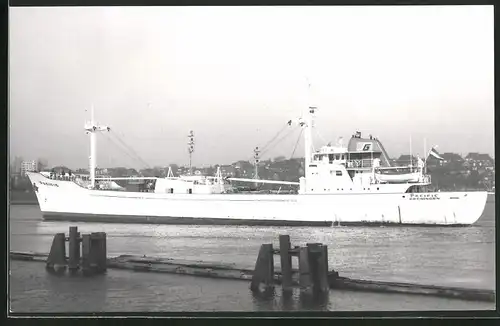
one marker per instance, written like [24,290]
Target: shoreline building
[28,166]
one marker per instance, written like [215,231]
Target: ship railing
[82,183]
[363,163]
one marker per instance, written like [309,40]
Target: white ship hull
[64,200]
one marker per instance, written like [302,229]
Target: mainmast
[308,135]
[170,174]
[91,128]
[190,150]
[218,178]
[256,159]
[309,124]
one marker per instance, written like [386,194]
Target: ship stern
[472,207]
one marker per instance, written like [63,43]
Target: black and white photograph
[251,159]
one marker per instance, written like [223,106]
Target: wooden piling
[286,264]
[74,249]
[263,275]
[94,258]
[323,283]
[305,279]
[98,251]
[104,253]
[318,266]
[312,254]
[57,257]
[86,259]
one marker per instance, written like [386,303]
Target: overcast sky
[235,75]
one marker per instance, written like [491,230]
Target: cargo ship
[341,185]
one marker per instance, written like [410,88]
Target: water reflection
[288,301]
[314,301]
[276,300]
[264,300]
[70,287]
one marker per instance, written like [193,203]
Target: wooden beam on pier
[411,288]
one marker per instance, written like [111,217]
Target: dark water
[444,256]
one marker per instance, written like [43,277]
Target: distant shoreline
[23,202]
[20,197]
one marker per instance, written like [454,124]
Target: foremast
[91,128]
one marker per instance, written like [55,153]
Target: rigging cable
[263,148]
[297,143]
[130,149]
[291,131]
[319,135]
[289,123]
[131,153]
[120,148]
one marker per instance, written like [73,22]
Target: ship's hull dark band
[74,217]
